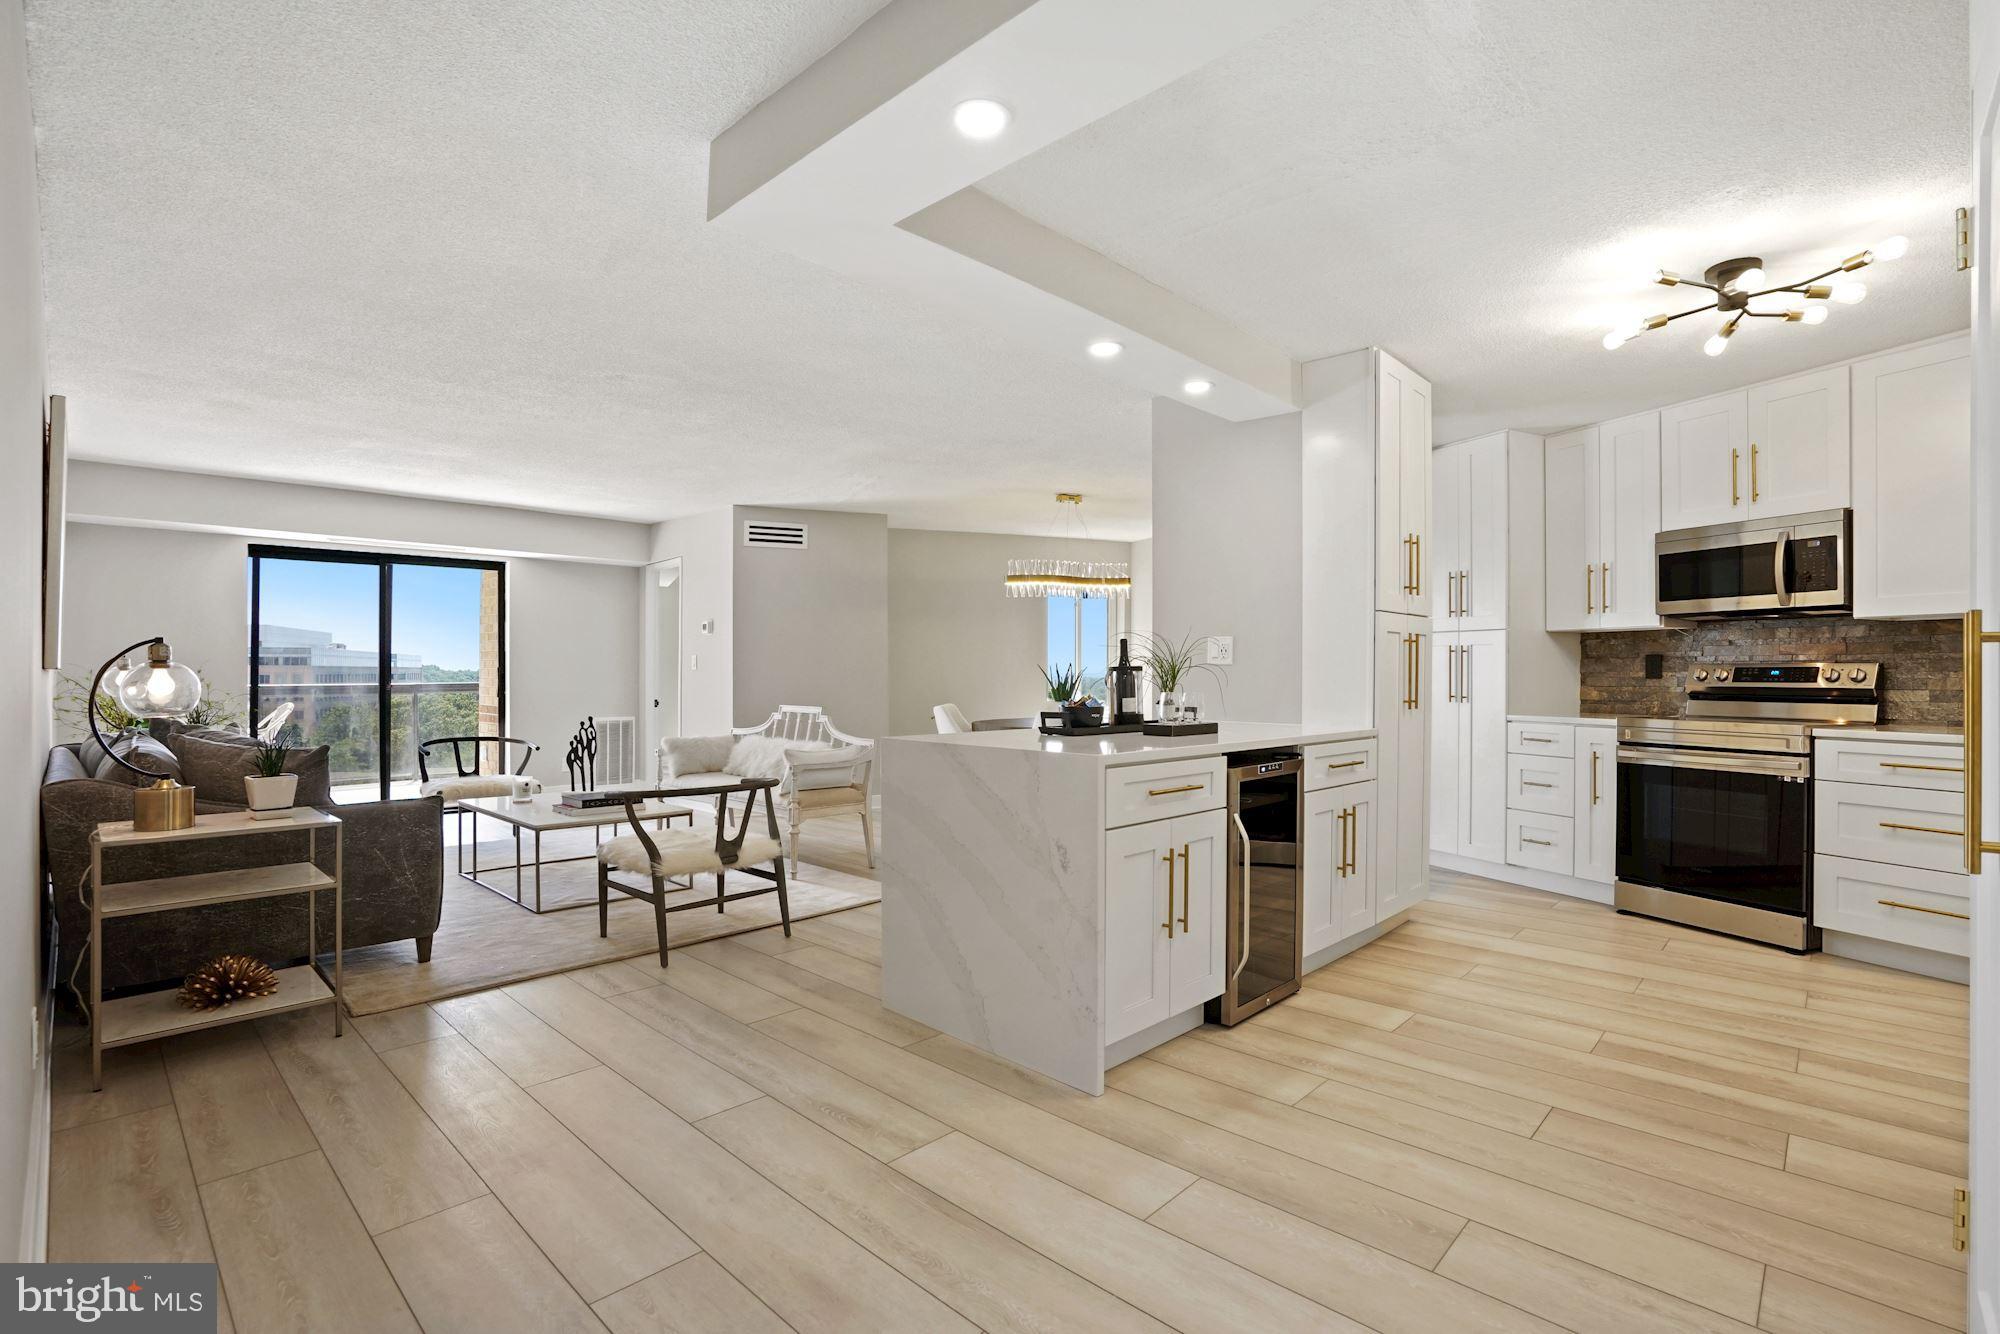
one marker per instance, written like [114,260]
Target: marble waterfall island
[1027,883]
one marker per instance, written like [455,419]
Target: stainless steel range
[1715,806]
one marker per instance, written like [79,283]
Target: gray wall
[24,686]
[812,625]
[1227,554]
[955,637]
[702,544]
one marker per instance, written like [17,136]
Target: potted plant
[270,791]
[1066,690]
[1172,666]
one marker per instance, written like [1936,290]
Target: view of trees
[347,727]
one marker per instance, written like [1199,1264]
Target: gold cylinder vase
[162,807]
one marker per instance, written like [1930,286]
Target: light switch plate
[1221,650]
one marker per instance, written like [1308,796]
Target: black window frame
[385,564]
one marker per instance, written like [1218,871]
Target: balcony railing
[344,716]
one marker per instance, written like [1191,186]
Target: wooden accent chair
[662,854]
[468,782]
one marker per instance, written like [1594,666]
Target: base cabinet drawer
[1332,763]
[1543,842]
[1136,793]
[1901,826]
[1927,909]
[1338,877]
[1546,786]
[1890,764]
[1551,739]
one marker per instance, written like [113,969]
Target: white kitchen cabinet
[1799,444]
[1703,472]
[1164,924]
[1403,565]
[1469,517]
[1912,425]
[1601,489]
[1596,827]
[1340,863]
[1402,718]
[1468,698]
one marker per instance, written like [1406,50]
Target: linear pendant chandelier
[1048,577]
[1742,289]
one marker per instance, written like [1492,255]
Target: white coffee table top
[541,813]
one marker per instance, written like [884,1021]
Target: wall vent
[757,534]
[617,750]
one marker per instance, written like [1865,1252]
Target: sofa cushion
[142,751]
[216,769]
[696,754]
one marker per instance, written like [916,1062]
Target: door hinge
[1964,239]
[1961,1218]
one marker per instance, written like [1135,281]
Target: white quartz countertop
[1905,733]
[1137,747]
[1551,720]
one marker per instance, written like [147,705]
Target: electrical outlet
[1221,650]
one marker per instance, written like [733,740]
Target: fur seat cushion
[687,755]
[682,852]
[459,789]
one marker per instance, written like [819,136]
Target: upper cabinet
[1913,482]
[1799,444]
[1403,559]
[1602,511]
[1468,553]
[1777,449]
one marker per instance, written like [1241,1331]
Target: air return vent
[757,534]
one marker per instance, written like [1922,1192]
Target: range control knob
[1830,674]
[1701,676]
[1722,673]
[1858,675]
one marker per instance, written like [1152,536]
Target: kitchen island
[1028,882]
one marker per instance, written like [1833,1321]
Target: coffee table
[538,816]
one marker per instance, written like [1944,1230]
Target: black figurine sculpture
[581,757]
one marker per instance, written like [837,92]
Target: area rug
[484,940]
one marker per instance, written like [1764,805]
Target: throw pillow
[697,754]
[827,766]
[760,756]
[140,750]
[216,769]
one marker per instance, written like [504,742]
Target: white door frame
[653,726]
[1983,1168]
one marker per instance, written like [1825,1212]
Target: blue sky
[436,606]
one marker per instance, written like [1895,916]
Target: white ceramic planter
[271,798]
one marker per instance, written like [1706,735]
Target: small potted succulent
[270,791]
[1067,691]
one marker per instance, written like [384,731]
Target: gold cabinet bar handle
[1417,578]
[1409,672]
[1185,878]
[1918,907]
[1170,791]
[1928,768]
[1595,756]
[1921,829]
[1340,867]
[1409,565]
[1353,840]
[1346,764]
[1417,669]
[1735,497]
[1451,674]
[1589,589]
[1465,592]
[1753,472]
[1537,740]
[1169,923]
[1607,586]
[1977,637]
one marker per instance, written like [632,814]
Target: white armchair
[826,771]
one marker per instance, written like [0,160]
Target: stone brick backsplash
[1921,662]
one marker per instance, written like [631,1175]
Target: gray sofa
[394,866]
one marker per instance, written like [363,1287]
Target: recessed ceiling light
[1104,349]
[1197,387]
[979,118]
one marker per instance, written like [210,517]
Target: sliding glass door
[375,654]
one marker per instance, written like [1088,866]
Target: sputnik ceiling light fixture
[1742,288]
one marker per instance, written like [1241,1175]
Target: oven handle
[1784,766]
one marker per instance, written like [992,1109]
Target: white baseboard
[35,1187]
[1314,962]
[1527,877]
[1146,1039]
[1895,954]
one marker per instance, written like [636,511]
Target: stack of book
[580,803]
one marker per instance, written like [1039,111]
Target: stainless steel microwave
[1797,565]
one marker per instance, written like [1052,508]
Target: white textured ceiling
[460,251]
[1482,187]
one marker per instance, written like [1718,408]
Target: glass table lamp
[157,688]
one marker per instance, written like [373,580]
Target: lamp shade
[158,687]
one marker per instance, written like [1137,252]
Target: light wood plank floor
[1515,1112]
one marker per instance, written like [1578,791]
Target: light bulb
[1197,387]
[1751,280]
[1105,348]
[980,118]
[159,686]
[1815,314]
[1614,340]
[1850,294]
[1894,248]
[1718,342]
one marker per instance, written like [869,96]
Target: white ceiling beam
[856,166]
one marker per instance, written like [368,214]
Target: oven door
[1722,574]
[1723,825]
